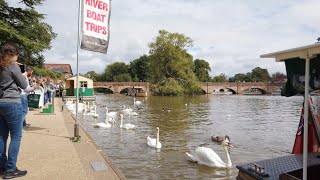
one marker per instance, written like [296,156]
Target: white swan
[207,157]
[126,110]
[136,103]
[134,114]
[95,115]
[125,126]
[102,124]
[154,143]
[110,114]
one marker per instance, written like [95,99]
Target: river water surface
[260,127]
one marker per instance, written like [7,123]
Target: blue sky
[230,35]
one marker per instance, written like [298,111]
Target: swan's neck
[121,122]
[157,140]
[226,151]
[107,110]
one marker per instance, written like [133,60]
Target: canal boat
[304,162]
[222,92]
[138,92]
[252,91]
[276,92]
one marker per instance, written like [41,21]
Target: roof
[80,78]
[303,52]
[64,68]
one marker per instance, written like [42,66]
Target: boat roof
[303,52]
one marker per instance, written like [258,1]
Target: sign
[95,25]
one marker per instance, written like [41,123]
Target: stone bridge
[207,87]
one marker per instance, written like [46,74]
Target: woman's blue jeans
[10,121]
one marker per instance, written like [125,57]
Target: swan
[102,124]
[95,115]
[125,126]
[134,114]
[110,114]
[111,120]
[219,139]
[206,156]
[126,110]
[136,103]
[154,143]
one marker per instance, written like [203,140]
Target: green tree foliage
[170,64]
[26,27]
[202,69]
[220,78]
[140,68]
[93,75]
[260,75]
[240,77]
[116,71]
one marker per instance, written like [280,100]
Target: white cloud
[230,35]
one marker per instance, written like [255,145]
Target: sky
[230,35]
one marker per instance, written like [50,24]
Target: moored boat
[302,72]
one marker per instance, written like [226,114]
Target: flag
[95,25]
[313,131]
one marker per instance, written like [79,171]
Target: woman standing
[10,111]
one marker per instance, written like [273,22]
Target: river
[260,127]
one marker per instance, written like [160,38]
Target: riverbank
[47,152]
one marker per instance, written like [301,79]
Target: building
[65,69]
[86,90]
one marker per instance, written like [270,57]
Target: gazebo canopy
[304,52]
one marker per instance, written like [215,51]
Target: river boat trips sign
[95,20]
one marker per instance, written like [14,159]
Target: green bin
[33,100]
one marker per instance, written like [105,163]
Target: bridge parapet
[208,87]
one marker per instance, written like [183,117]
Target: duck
[125,126]
[206,156]
[219,139]
[166,109]
[154,143]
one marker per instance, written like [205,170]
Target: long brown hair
[8,51]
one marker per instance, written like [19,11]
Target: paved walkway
[47,152]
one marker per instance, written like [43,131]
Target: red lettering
[97,4]
[96,28]
[96,16]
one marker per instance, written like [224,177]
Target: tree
[93,75]
[140,68]
[27,28]
[220,78]
[258,74]
[113,71]
[171,64]
[202,69]
[278,77]
[240,77]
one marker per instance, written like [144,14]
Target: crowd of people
[16,84]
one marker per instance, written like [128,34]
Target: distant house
[63,68]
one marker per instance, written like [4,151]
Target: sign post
[95,20]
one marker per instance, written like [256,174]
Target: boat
[277,92]
[138,92]
[222,92]
[252,91]
[304,161]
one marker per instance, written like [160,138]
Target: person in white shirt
[24,95]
